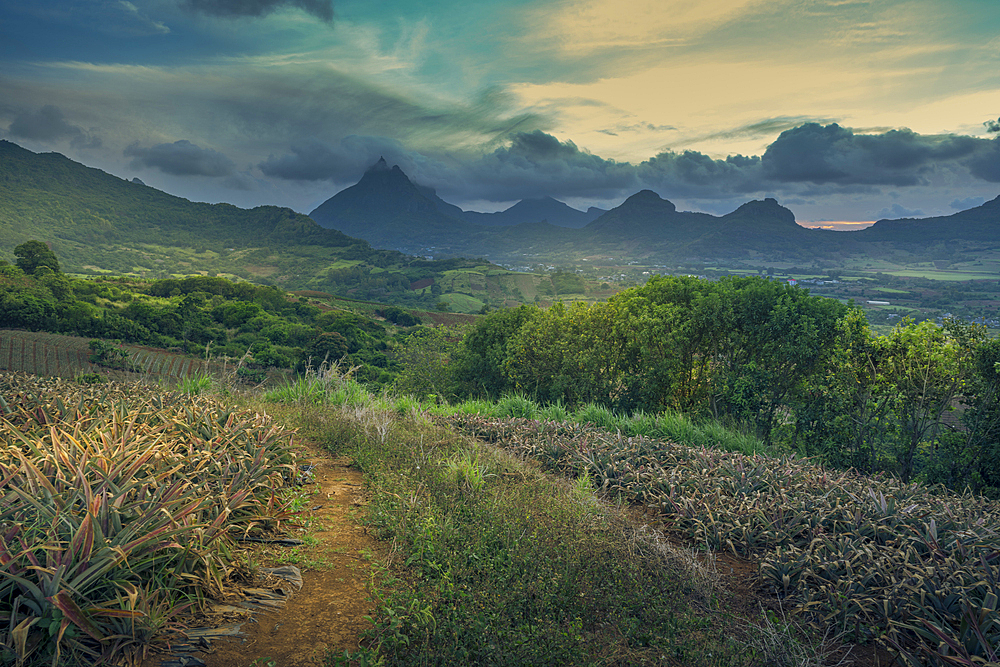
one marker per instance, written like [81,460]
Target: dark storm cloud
[691,173]
[536,164]
[985,164]
[833,154]
[346,160]
[810,160]
[181,158]
[321,9]
[50,124]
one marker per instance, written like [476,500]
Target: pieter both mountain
[388,210]
[94,219]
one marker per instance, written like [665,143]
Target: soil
[328,613]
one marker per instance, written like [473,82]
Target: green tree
[424,357]
[480,363]
[928,366]
[969,455]
[778,337]
[566,353]
[327,347]
[846,413]
[34,254]
[668,334]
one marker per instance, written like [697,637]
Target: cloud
[691,173]
[985,164]
[241,181]
[341,162]
[181,158]
[761,128]
[50,124]
[321,9]
[535,164]
[143,25]
[897,211]
[802,164]
[833,154]
[968,202]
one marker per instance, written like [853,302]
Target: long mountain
[389,210]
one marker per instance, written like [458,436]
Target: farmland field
[50,354]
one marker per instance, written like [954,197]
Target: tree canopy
[31,255]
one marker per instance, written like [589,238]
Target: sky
[845,111]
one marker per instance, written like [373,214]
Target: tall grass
[326,384]
[672,426]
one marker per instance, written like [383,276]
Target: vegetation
[204,316]
[492,562]
[801,372]
[98,224]
[118,511]
[875,559]
[745,374]
[481,568]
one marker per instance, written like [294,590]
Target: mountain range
[101,223]
[387,209]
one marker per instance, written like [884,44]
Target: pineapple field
[914,568]
[58,355]
[119,508]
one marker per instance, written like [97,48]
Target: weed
[516,405]
[198,384]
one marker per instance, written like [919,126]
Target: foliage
[202,315]
[480,366]
[797,371]
[116,509]
[424,357]
[32,255]
[400,317]
[109,355]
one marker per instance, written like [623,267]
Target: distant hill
[98,223]
[978,225]
[544,209]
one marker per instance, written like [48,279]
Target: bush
[109,355]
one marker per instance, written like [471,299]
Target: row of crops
[52,354]
[917,569]
[118,508]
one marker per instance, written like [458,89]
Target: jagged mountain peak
[381,165]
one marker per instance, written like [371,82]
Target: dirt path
[327,614]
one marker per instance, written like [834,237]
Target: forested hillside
[210,317]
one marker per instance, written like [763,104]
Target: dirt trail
[327,613]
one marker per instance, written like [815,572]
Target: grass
[490,561]
[673,426]
[934,274]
